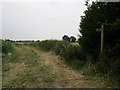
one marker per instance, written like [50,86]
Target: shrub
[60,47]
[63,48]
[7,47]
[34,44]
[69,51]
[72,52]
[47,44]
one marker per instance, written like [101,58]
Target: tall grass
[65,49]
[9,53]
[104,66]
[71,52]
[47,44]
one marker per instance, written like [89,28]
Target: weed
[49,78]
[45,68]
[21,81]
[6,68]
[76,64]
[47,44]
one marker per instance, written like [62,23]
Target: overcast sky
[40,20]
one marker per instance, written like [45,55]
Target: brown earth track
[23,75]
[67,77]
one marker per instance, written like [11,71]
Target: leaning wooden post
[102,36]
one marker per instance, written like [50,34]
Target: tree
[72,39]
[66,38]
[97,13]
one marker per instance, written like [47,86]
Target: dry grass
[75,44]
[39,69]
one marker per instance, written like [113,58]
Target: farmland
[61,58]
[37,68]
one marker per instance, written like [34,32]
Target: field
[32,67]
[61,57]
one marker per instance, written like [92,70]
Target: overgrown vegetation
[87,55]
[106,63]
[6,47]
[45,45]
[9,53]
[63,48]
[27,72]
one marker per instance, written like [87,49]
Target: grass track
[39,69]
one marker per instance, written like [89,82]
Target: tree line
[98,14]
[69,39]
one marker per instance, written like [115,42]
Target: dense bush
[63,48]
[7,47]
[60,47]
[47,44]
[72,52]
[107,62]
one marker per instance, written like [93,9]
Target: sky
[40,20]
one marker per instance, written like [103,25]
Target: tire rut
[67,77]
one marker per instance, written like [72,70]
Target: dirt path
[67,77]
[36,68]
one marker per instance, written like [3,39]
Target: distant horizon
[33,39]
[41,39]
